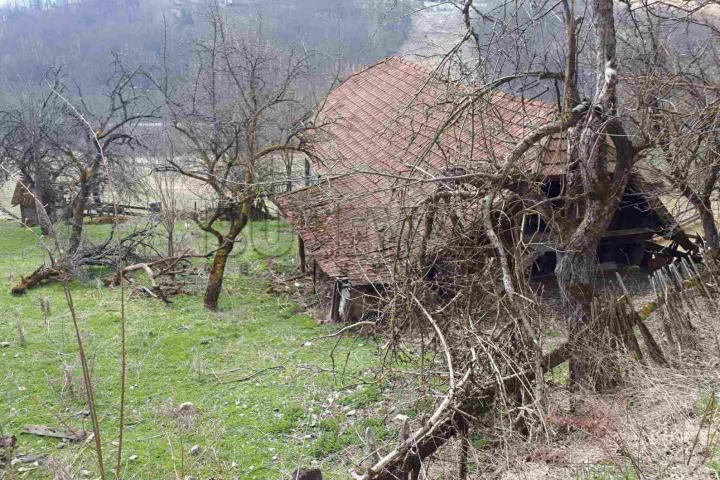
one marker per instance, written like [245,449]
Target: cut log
[40,275]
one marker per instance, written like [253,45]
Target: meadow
[246,392]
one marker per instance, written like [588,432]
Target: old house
[385,134]
[23,196]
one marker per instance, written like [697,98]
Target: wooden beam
[335,302]
[301,254]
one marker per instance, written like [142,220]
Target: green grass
[606,472]
[559,375]
[261,428]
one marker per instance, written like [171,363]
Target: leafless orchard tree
[673,97]
[594,185]
[225,122]
[69,150]
[95,143]
[26,148]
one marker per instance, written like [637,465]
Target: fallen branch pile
[109,253]
[162,274]
[450,419]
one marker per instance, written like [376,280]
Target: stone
[133,458]
[8,441]
[187,408]
[4,344]
[195,450]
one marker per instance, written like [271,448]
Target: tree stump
[304,474]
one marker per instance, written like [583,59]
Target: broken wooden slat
[45,431]
[653,347]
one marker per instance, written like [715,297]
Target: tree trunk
[575,272]
[77,218]
[712,239]
[301,254]
[601,193]
[217,274]
[238,220]
[307,172]
[703,205]
[571,97]
[288,171]
[171,240]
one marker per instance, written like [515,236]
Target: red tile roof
[380,123]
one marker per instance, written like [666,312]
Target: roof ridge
[433,72]
[400,59]
[435,75]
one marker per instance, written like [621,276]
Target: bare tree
[95,143]
[673,97]
[26,148]
[68,153]
[224,122]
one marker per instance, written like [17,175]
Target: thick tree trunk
[575,272]
[601,194]
[217,274]
[77,222]
[238,220]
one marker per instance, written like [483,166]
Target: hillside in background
[82,36]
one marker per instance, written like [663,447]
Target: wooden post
[314,274]
[335,302]
[301,254]
[307,172]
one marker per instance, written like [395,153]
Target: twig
[87,380]
[123,362]
[343,330]
[251,376]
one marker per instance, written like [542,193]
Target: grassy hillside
[287,406]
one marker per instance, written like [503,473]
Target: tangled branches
[110,253]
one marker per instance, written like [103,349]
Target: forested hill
[81,36]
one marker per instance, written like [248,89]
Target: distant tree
[95,142]
[66,146]
[26,148]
